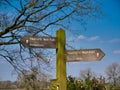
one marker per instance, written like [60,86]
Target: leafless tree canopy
[32,17]
[113,73]
[87,74]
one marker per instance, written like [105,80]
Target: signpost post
[61,62]
[62,55]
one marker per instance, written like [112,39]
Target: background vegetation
[87,80]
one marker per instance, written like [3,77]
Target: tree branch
[52,23]
[8,43]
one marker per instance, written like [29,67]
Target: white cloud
[94,38]
[116,51]
[114,41]
[82,37]
[72,39]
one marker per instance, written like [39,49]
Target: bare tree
[87,74]
[34,17]
[113,74]
[33,79]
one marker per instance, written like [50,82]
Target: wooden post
[53,84]
[60,82]
[61,62]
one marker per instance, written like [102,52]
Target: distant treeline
[9,85]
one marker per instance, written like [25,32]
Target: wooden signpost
[62,55]
[84,55]
[38,42]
